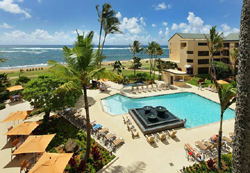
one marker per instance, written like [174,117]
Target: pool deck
[136,155]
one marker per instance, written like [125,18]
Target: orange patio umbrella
[222,82]
[34,144]
[23,128]
[15,88]
[51,163]
[15,116]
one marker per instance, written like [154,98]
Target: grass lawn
[27,73]
[194,81]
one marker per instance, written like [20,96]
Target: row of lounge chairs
[109,138]
[211,88]
[149,88]
[208,147]
[131,127]
[161,135]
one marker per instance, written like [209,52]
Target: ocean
[37,56]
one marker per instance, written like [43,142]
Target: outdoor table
[16,97]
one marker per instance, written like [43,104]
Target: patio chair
[228,140]
[150,138]
[163,87]
[157,87]
[144,89]
[134,133]
[204,149]
[193,152]
[209,86]
[153,88]
[11,99]
[212,88]
[172,133]
[162,136]
[130,126]
[231,135]
[148,89]
[117,142]
[133,90]
[25,166]
[138,89]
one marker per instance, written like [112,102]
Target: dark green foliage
[44,92]
[136,63]
[222,70]
[22,80]
[118,67]
[4,83]
[210,163]
[2,106]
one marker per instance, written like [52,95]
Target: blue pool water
[196,109]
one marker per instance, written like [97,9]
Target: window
[236,45]
[203,53]
[190,52]
[203,70]
[217,59]
[189,70]
[217,53]
[226,52]
[226,44]
[190,60]
[203,61]
[226,60]
[183,45]
[202,44]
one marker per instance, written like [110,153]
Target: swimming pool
[196,109]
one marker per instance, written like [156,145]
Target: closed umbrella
[51,163]
[15,88]
[34,144]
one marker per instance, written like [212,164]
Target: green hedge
[2,106]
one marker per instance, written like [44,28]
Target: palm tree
[103,15]
[135,48]
[150,51]
[80,67]
[214,42]
[227,96]
[235,55]
[158,51]
[241,147]
[111,26]
[136,63]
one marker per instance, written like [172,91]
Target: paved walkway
[136,155]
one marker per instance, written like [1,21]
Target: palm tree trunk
[212,70]
[86,156]
[219,142]
[100,35]
[154,68]
[150,65]
[241,147]
[134,62]
[102,50]
[46,116]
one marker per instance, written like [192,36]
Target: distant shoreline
[105,63]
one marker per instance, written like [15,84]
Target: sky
[53,22]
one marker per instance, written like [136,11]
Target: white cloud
[194,25]
[39,36]
[227,29]
[164,35]
[161,34]
[163,6]
[154,25]
[132,25]
[10,6]
[6,26]
[118,15]
[142,21]
[165,23]
[39,1]
[19,0]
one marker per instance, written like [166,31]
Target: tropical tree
[214,42]
[235,55]
[227,96]
[158,51]
[151,51]
[80,62]
[241,147]
[118,67]
[136,63]
[109,22]
[44,92]
[221,70]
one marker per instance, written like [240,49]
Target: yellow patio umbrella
[34,144]
[51,163]
[23,128]
[15,88]
[15,116]
[222,82]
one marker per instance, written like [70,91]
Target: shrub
[96,153]
[82,166]
[210,163]
[2,106]
[72,162]
[22,80]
